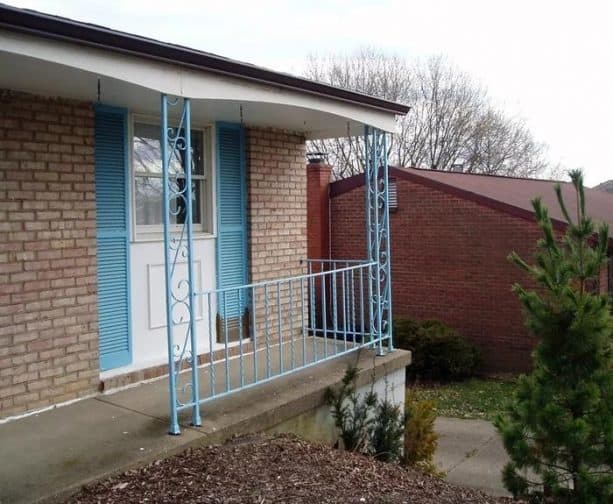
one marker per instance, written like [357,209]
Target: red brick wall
[318,201]
[48,318]
[449,263]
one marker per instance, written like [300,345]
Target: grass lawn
[474,398]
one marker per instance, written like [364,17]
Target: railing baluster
[279,327]
[225,339]
[254,335]
[344,293]
[352,300]
[371,312]
[240,338]
[312,309]
[211,350]
[334,307]
[302,321]
[362,305]
[267,331]
[348,297]
[325,314]
[291,326]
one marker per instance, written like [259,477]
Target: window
[147,169]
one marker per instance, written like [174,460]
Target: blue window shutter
[231,216]
[112,217]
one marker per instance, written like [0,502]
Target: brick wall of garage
[48,319]
[449,262]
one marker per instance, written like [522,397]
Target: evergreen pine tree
[558,428]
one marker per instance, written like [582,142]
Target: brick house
[82,255]
[450,236]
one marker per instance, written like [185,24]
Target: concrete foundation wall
[318,425]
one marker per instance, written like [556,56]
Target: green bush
[352,412]
[388,429]
[420,439]
[439,352]
[366,423]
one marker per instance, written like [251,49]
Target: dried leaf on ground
[284,469]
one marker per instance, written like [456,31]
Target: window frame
[155,232]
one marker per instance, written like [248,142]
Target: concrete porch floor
[48,455]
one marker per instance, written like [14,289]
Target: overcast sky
[549,61]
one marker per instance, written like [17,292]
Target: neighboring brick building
[451,234]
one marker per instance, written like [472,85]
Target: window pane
[148,195]
[181,215]
[148,154]
[197,153]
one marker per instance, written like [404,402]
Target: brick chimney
[318,207]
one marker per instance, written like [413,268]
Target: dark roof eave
[343,186]
[58,28]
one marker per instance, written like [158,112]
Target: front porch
[347,300]
[156,217]
[53,453]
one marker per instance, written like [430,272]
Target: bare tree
[367,71]
[451,119]
[500,145]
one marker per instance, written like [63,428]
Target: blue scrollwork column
[178,261]
[376,173]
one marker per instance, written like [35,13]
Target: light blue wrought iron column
[178,246]
[384,249]
[376,173]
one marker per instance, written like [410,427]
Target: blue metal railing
[344,287]
[286,325]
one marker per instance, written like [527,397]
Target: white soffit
[47,66]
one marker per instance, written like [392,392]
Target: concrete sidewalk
[49,455]
[471,453]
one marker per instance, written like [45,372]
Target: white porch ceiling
[54,68]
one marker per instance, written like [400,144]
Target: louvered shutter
[112,237]
[231,216]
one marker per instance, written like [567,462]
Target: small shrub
[366,423]
[376,426]
[387,431]
[420,440]
[352,413]
[439,352]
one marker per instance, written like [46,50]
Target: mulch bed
[259,469]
